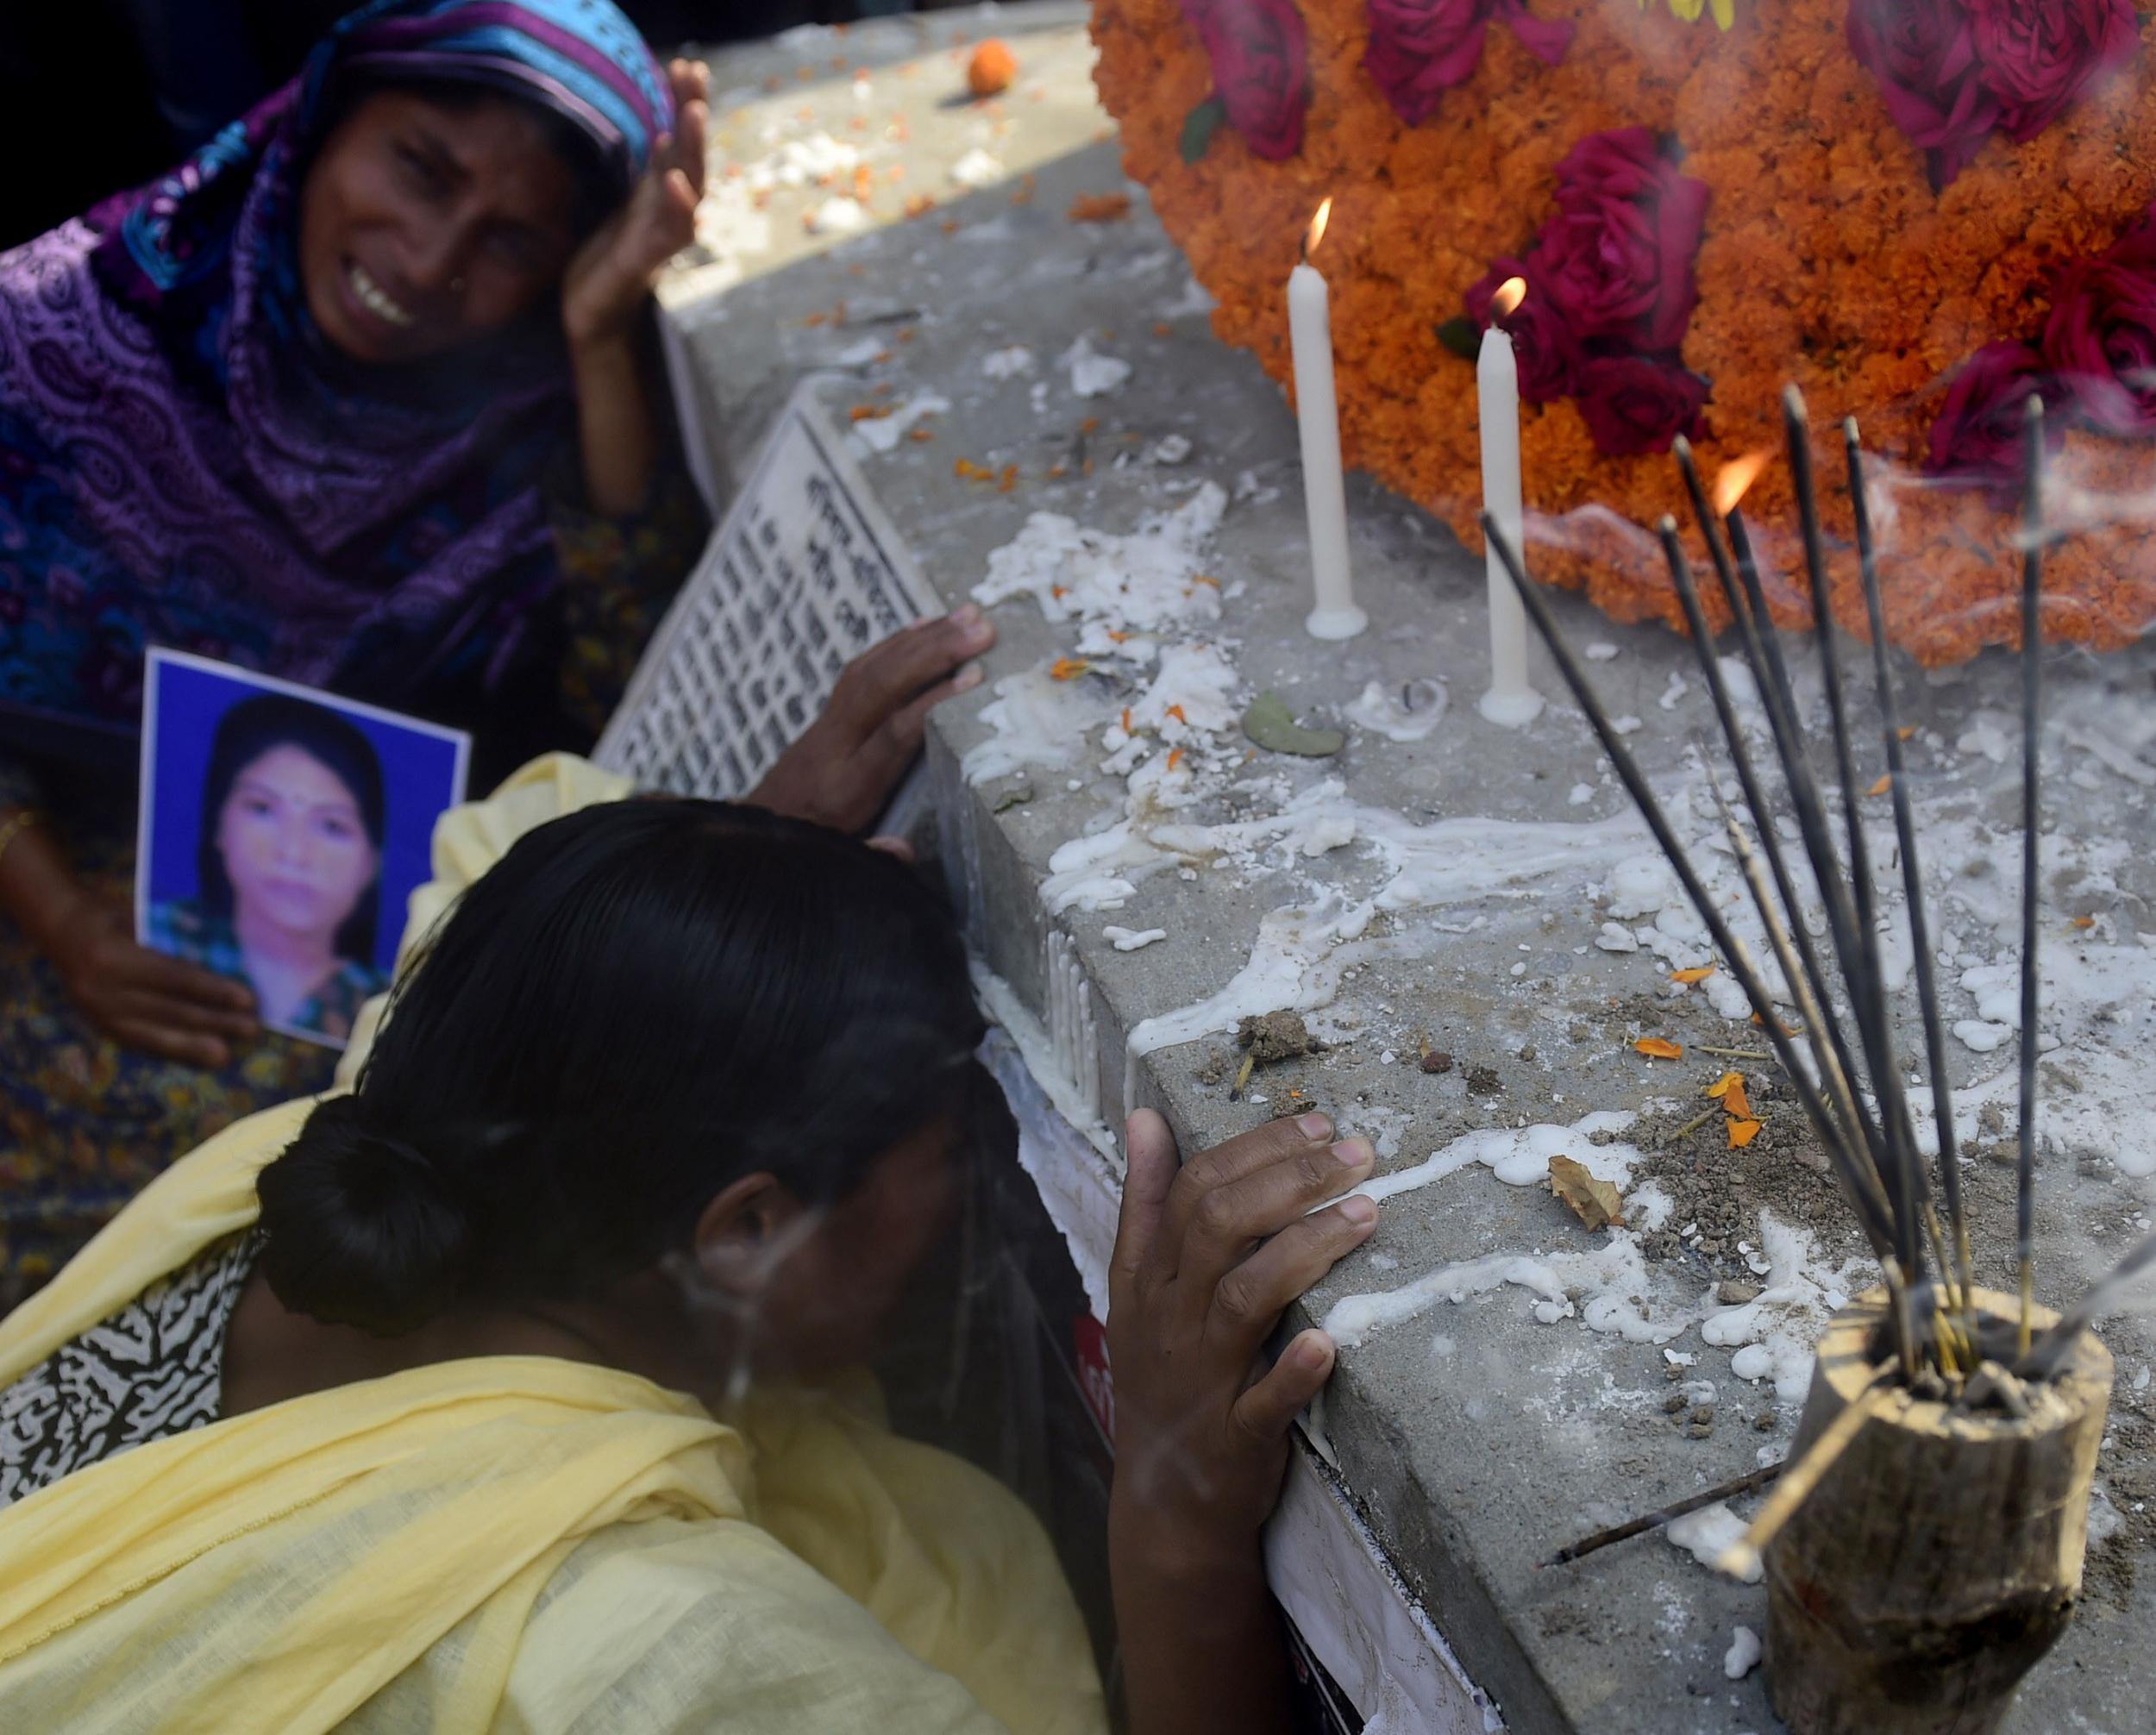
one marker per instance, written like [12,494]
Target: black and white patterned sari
[153,1368]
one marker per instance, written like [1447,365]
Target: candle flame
[1510,293]
[1735,481]
[1316,231]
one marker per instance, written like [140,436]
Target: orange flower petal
[1174,757]
[1881,786]
[1068,668]
[1742,1132]
[1722,1086]
[1655,1049]
[1688,977]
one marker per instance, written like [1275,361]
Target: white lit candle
[1510,701]
[1317,411]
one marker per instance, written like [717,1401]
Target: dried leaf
[1742,1132]
[1688,977]
[1655,1049]
[1595,1203]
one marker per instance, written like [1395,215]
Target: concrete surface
[1475,1437]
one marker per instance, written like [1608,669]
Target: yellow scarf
[510,1542]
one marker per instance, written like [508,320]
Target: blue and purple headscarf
[183,460]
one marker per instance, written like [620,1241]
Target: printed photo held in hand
[282,833]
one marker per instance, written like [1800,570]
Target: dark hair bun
[358,1229]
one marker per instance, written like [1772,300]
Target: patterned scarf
[184,461]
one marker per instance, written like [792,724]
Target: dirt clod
[1484,1081]
[1437,1061]
[1272,1036]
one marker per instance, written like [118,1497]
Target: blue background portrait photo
[423,773]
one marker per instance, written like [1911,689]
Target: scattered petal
[1742,1132]
[1688,977]
[1656,1048]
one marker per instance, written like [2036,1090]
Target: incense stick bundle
[1949,1441]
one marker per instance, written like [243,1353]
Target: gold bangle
[14,826]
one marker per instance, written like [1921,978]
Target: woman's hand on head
[144,999]
[1208,1257]
[610,278]
[843,769]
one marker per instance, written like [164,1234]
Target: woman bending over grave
[504,1391]
[363,395]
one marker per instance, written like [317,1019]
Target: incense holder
[1940,1555]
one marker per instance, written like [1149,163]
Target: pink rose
[1923,53]
[2040,56]
[1976,437]
[1261,69]
[1419,49]
[1542,343]
[1636,404]
[2101,338]
[1616,260]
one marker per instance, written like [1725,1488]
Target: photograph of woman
[288,865]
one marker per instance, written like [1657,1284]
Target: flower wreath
[1918,209]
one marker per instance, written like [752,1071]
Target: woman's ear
[747,1231]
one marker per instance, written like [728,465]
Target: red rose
[2101,338]
[1923,53]
[2040,56]
[1617,258]
[1542,343]
[1636,404]
[1976,437]
[1261,69]
[1419,49]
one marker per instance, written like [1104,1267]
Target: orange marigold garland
[1827,257]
